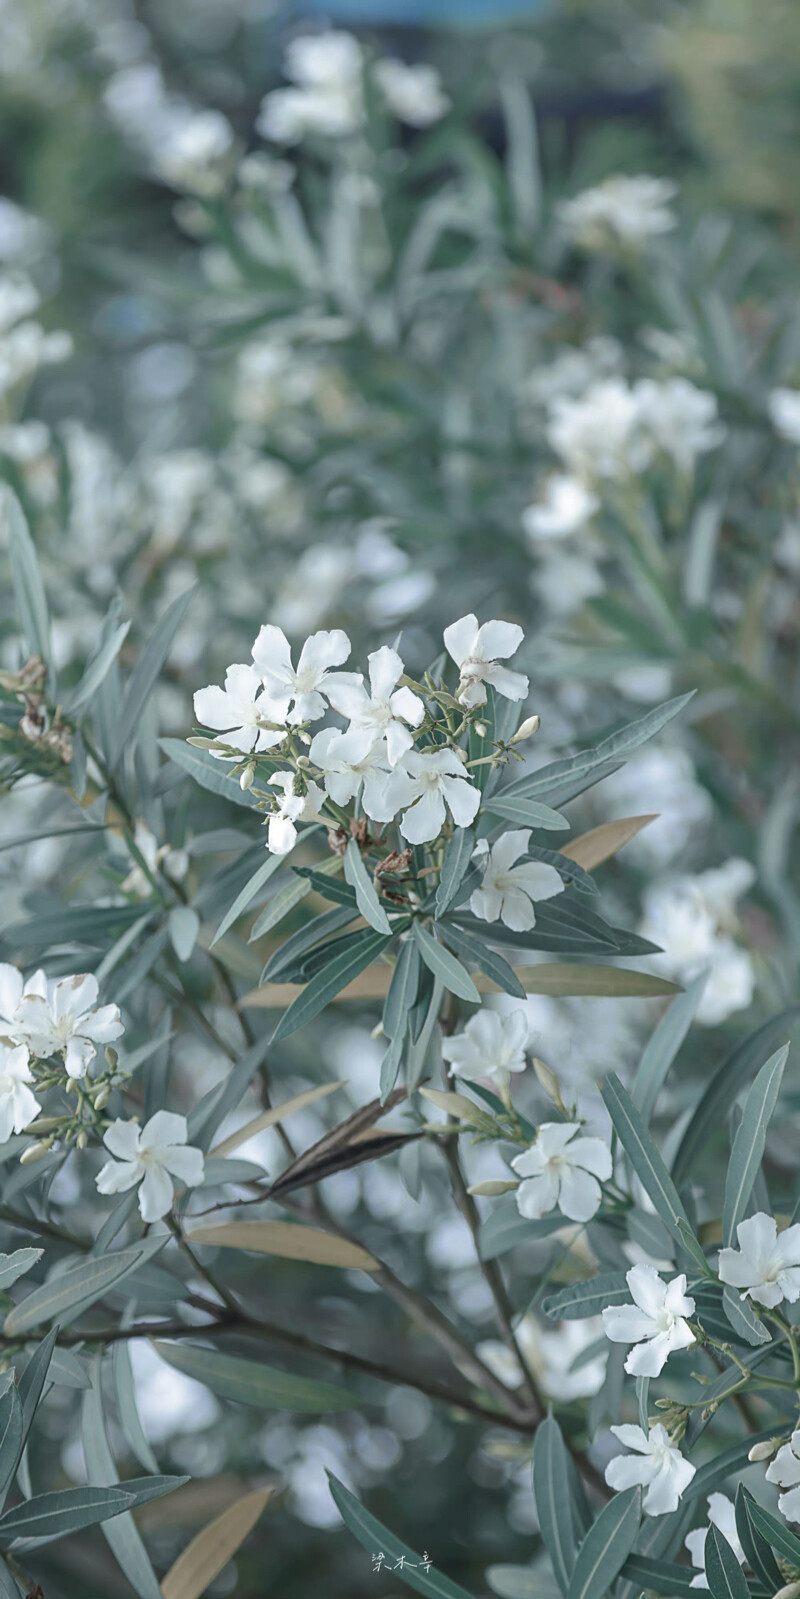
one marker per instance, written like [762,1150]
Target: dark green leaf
[725,1576]
[449,971]
[716,1470]
[606,1546]
[287,957]
[210,773]
[658,1576]
[32,1381]
[11,1424]
[280,905]
[456,861]
[266,870]
[326,984]
[489,961]
[401,1561]
[643,1155]
[403,988]
[776,1533]
[621,743]
[553,1496]
[757,1551]
[252,1383]
[366,898]
[748,1145]
[571,872]
[53,1515]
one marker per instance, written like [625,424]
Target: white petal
[486,903]
[647,1289]
[463,800]
[281,835]
[398,740]
[10,989]
[425,819]
[497,640]
[539,880]
[78,1056]
[459,638]
[536,1197]
[518,912]
[512,685]
[164,1129]
[273,658]
[626,1324]
[627,1471]
[408,706]
[185,1162]
[323,650]
[347,695]
[122,1139]
[212,708]
[103,1025]
[579,1195]
[155,1194]
[734,1269]
[648,1359]
[594,1156]
[385,670]
[117,1176]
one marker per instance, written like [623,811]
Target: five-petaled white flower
[291,808]
[348,760]
[424,786]
[507,892]
[490,1045]
[12,991]
[298,692]
[562,1169]
[239,710]
[766,1266]
[722,1515]
[477,652]
[657,1465]
[151,1155]
[386,709]
[18,1104]
[785,1471]
[62,1018]
[655,1323]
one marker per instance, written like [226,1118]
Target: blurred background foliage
[323,385]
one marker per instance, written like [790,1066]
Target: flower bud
[378,1032]
[305,738]
[111,1057]
[548,1080]
[102,1097]
[81,1141]
[35,1152]
[481,729]
[764,1450]
[246,779]
[526,729]
[303,763]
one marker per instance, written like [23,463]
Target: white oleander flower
[12,990]
[425,786]
[238,710]
[151,1156]
[600,433]
[477,652]
[507,892]
[562,1169]
[18,1103]
[413,93]
[299,692]
[291,808]
[350,760]
[785,1471]
[784,411]
[691,918]
[194,152]
[623,210]
[682,419]
[490,1045]
[62,1017]
[554,1357]
[563,510]
[655,1323]
[766,1266]
[657,1465]
[175,862]
[722,1515]
[564,582]
[328,98]
[386,709]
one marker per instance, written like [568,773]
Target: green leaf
[748,1145]
[75,1289]
[743,1318]
[573,873]
[449,971]
[287,959]
[279,906]
[403,988]
[663,1046]
[377,1539]
[552,1492]
[359,879]
[588,1298]
[37,1521]
[606,1546]
[713,1108]
[526,812]
[145,675]
[489,961]
[659,1576]
[643,1155]
[209,772]
[16,1265]
[32,1381]
[725,1576]
[642,1391]
[250,1383]
[184,925]
[776,1533]
[96,669]
[721,1466]
[364,949]
[504,1228]
[621,743]
[8,1587]
[26,577]
[125,1393]
[757,1551]
[455,865]
[123,1538]
[390,1066]
[266,870]
[11,1424]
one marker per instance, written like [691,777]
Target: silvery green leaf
[390,1066]
[721,1466]
[757,1552]
[359,879]
[96,669]
[209,1114]
[11,1429]
[373,1536]
[520,1582]
[362,951]
[211,774]
[644,1156]
[26,576]
[659,1576]
[32,1381]
[266,870]
[749,1143]
[8,1587]
[127,1408]
[15,1266]
[457,857]
[123,1537]
[743,1318]
[445,967]
[588,1298]
[251,1383]
[663,1045]
[552,1492]
[606,1546]
[286,962]
[487,959]
[76,1289]
[503,1228]
[67,1369]
[146,673]
[184,926]
[217,1172]
[525,812]
[725,1084]
[403,989]
[279,906]
[621,743]
[726,1579]
[47,1516]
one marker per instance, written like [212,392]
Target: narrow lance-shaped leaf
[210,773]
[28,586]
[744,1319]
[621,743]
[776,1533]
[526,812]
[323,987]
[553,1496]
[203,1559]
[11,1423]
[735,1070]
[14,1266]
[47,1516]
[606,1546]
[277,1113]
[401,1560]
[757,1551]
[663,1046]
[124,1538]
[660,1576]
[494,966]
[287,1239]
[252,1383]
[644,1156]
[456,861]
[78,1287]
[402,990]
[96,669]
[145,675]
[449,971]
[359,879]
[265,871]
[588,1298]
[748,1145]
[125,1393]
[726,1579]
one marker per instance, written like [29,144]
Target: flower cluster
[327,72]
